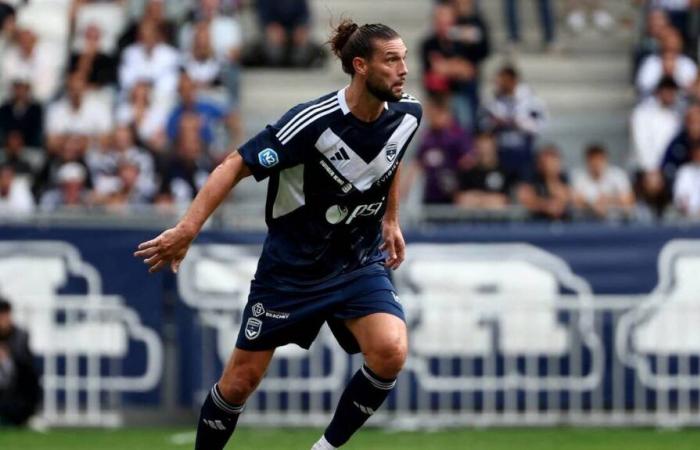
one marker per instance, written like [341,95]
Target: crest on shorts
[391,148]
[252,328]
[258,309]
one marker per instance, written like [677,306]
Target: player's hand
[170,247]
[393,245]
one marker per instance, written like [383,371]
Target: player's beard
[383,93]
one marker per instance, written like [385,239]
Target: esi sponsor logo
[268,158]
[337,214]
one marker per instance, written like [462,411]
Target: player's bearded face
[384,91]
[387,71]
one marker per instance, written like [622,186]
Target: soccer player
[332,211]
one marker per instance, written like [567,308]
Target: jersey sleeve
[280,146]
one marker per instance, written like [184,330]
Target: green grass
[372,439]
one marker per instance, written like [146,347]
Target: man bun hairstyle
[349,41]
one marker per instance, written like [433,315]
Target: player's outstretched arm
[172,244]
[393,244]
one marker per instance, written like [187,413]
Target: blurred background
[551,205]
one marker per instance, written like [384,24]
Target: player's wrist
[187,229]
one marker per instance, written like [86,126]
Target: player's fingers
[175,265]
[145,253]
[156,267]
[153,259]
[383,246]
[149,244]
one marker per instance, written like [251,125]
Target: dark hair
[596,150]
[667,82]
[510,71]
[349,41]
[5,306]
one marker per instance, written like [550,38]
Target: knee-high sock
[217,420]
[362,397]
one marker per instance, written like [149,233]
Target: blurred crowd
[486,154]
[119,105]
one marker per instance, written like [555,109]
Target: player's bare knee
[237,386]
[388,359]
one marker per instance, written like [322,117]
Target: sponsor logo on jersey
[336,214]
[258,309]
[252,328]
[268,158]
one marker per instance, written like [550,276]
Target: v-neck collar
[342,101]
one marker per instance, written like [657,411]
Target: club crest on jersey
[268,158]
[258,309]
[391,150]
[252,328]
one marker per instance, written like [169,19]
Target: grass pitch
[370,439]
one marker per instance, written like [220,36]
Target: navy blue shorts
[273,318]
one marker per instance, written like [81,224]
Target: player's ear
[360,65]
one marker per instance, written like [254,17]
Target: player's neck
[362,104]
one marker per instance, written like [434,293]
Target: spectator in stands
[286,32]
[146,118]
[209,114]
[8,24]
[15,200]
[485,185]
[545,10]
[98,68]
[20,392]
[104,165]
[73,150]
[188,168]
[14,154]
[600,189]
[450,62]
[71,190]
[444,148]
[677,11]
[33,61]
[515,116]
[128,195]
[76,113]
[654,123]
[546,194]
[150,59]
[678,151]
[154,12]
[670,62]
[199,61]
[214,42]
[686,190]
[657,24]
[22,113]
[580,11]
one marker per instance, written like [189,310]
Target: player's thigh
[380,335]
[243,373]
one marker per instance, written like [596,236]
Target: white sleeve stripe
[406,100]
[303,114]
[300,124]
[309,122]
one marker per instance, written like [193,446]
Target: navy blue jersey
[330,175]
